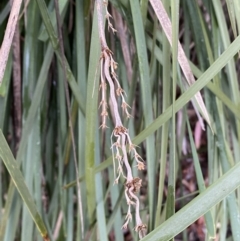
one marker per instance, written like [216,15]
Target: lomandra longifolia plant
[120,139]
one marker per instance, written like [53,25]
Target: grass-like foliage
[119,120]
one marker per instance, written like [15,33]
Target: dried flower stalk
[120,139]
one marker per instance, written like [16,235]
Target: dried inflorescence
[120,140]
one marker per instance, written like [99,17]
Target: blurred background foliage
[190,172]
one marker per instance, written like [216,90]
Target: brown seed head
[141,229]
[140,166]
[119,130]
[135,184]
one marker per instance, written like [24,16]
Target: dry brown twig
[122,141]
